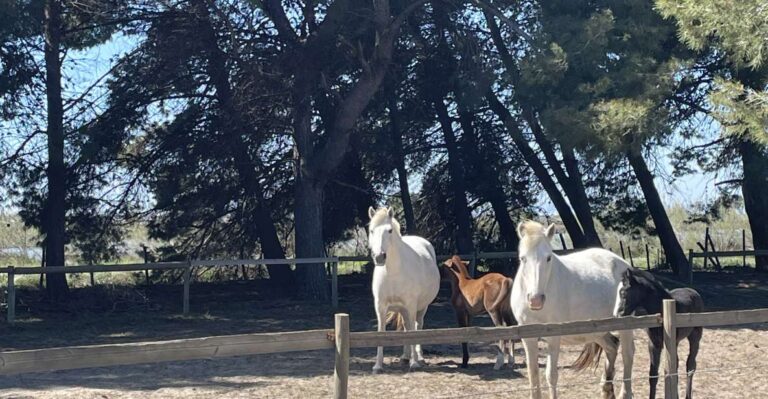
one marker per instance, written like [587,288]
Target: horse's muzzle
[380,259]
[536,302]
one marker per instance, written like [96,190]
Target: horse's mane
[382,216]
[531,228]
[647,279]
[531,233]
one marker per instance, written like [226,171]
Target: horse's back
[421,247]
[594,262]
[687,300]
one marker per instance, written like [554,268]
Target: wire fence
[616,381]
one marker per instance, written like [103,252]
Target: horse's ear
[390,212]
[550,232]
[465,263]
[520,230]
[626,277]
[371,212]
[448,262]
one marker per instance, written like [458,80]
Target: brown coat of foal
[487,294]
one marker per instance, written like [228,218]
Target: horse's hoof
[464,365]
[377,369]
[414,366]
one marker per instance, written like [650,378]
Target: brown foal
[487,294]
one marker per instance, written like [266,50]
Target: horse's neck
[656,301]
[395,253]
[463,274]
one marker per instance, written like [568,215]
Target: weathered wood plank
[132,267]
[670,346]
[486,334]
[238,262]
[75,357]
[341,365]
[726,318]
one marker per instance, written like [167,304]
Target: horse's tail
[590,356]
[504,293]
[396,318]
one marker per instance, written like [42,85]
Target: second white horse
[405,279]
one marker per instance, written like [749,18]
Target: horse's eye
[522,260]
[389,230]
[549,258]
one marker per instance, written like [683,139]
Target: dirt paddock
[732,363]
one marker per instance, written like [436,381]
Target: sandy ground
[732,363]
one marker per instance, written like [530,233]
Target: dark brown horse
[487,294]
[640,293]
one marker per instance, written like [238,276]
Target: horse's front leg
[498,322]
[690,364]
[553,354]
[531,346]
[627,342]
[420,326]
[463,319]
[409,317]
[381,317]
[654,351]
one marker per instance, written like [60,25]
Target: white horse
[555,289]
[405,280]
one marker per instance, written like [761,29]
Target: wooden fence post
[146,260]
[11,296]
[706,248]
[93,280]
[186,277]
[621,245]
[744,247]
[647,257]
[690,267]
[631,261]
[335,283]
[670,346]
[341,368]
[562,241]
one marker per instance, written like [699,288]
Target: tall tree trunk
[458,185]
[675,255]
[570,182]
[487,180]
[262,226]
[541,172]
[308,219]
[754,158]
[578,197]
[314,163]
[578,221]
[55,209]
[402,174]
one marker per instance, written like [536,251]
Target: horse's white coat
[406,282]
[579,286]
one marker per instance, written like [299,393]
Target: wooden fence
[341,340]
[186,266]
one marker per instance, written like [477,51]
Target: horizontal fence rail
[76,357]
[186,266]
[485,334]
[43,360]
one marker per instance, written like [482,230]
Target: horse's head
[456,266]
[381,230]
[536,258]
[637,292]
